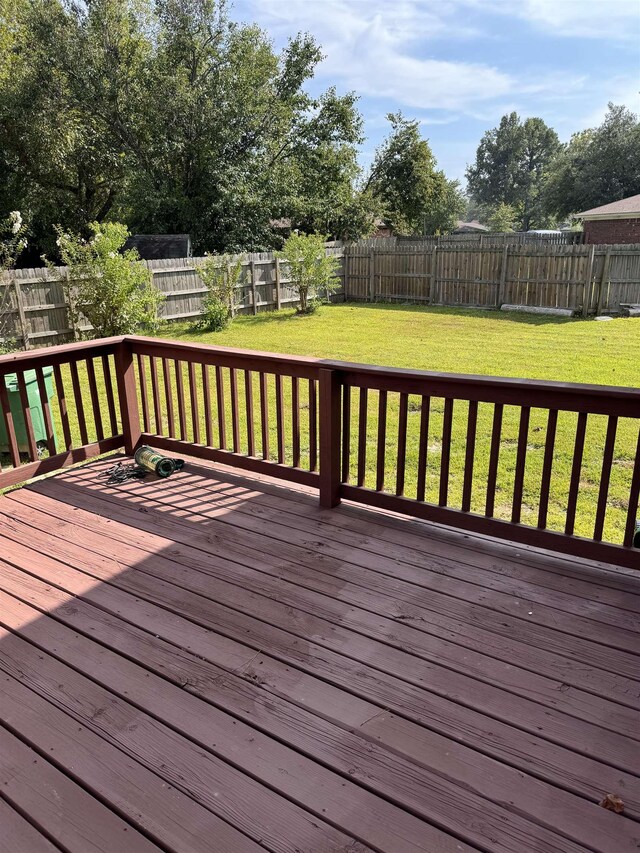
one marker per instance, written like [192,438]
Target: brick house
[617,222]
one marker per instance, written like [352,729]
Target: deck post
[128,396]
[329,438]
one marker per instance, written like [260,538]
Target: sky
[459,65]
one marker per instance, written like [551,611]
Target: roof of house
[153,247]
[472,225]
[615,209]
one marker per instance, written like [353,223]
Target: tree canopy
[413,196]
[597,166]
[510,166]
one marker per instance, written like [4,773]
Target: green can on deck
[35,405]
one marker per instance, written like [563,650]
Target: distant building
[154,247]
[472,227]
[382,229]
[617,222]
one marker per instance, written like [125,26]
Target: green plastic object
[35,405]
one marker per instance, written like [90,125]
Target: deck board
[341,674]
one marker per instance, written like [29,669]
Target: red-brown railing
[540,463]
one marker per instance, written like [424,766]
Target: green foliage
[510,166]
[112,289]
[502,217]
[221,274]
[166,115]
[413,196]
[597,166]
[12,242]
[311,269]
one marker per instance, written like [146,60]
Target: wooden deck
[214,663]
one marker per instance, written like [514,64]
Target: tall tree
[597,166]
[510,166]
[414,196]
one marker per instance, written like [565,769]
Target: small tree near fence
[312,271]
[12,242]
[221,274]
[111,288]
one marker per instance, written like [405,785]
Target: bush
[221,274]
[112,289]
[312,271]
[12,242]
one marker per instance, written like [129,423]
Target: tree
[221,274]
[510,166]
[502,217]
[414,197]
[110,287]
[311,269]
[597,166]
[168,116]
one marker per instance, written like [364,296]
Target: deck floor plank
[297,679]
[17,834]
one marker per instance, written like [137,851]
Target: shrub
[312,271]
[221,274]
[12,242]
[112,289]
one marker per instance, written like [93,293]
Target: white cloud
[600,19]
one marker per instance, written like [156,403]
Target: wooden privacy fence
[34,300]
[586,279]
[511,458]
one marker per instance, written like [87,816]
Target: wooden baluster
[313,426]
[423,448]
[193,397]
[77,396]
[168,395]
[108,386]
[445,457]
[62,403]
[235,423]
[295,420]
[182,412]
[264,416]
[402,443]
[362,435]
[155,392]
[206,393]
[382,439]
[494,458]
[329,438]
[605,476]
[144,399]
[128,397]
[547,465]
[521,458]
[222,418]
[280,418]
[8,421]
[574,484]
[248,393]
[95,400]
[634,497]
[472,421]
[46,410]
[346,432]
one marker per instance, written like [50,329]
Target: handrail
[486,454]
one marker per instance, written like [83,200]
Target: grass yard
[459,341]
[482,342]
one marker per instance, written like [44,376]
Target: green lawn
[460,341]
[468,341]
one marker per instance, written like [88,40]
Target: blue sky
[459,65]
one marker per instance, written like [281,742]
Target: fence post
[434,273]
[254,296]
[372,274]
[278,298]
[24,328]
[586,290]
[503,275]
[329,438]
[128,397]
[603,278]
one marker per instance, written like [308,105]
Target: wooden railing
[539,463]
